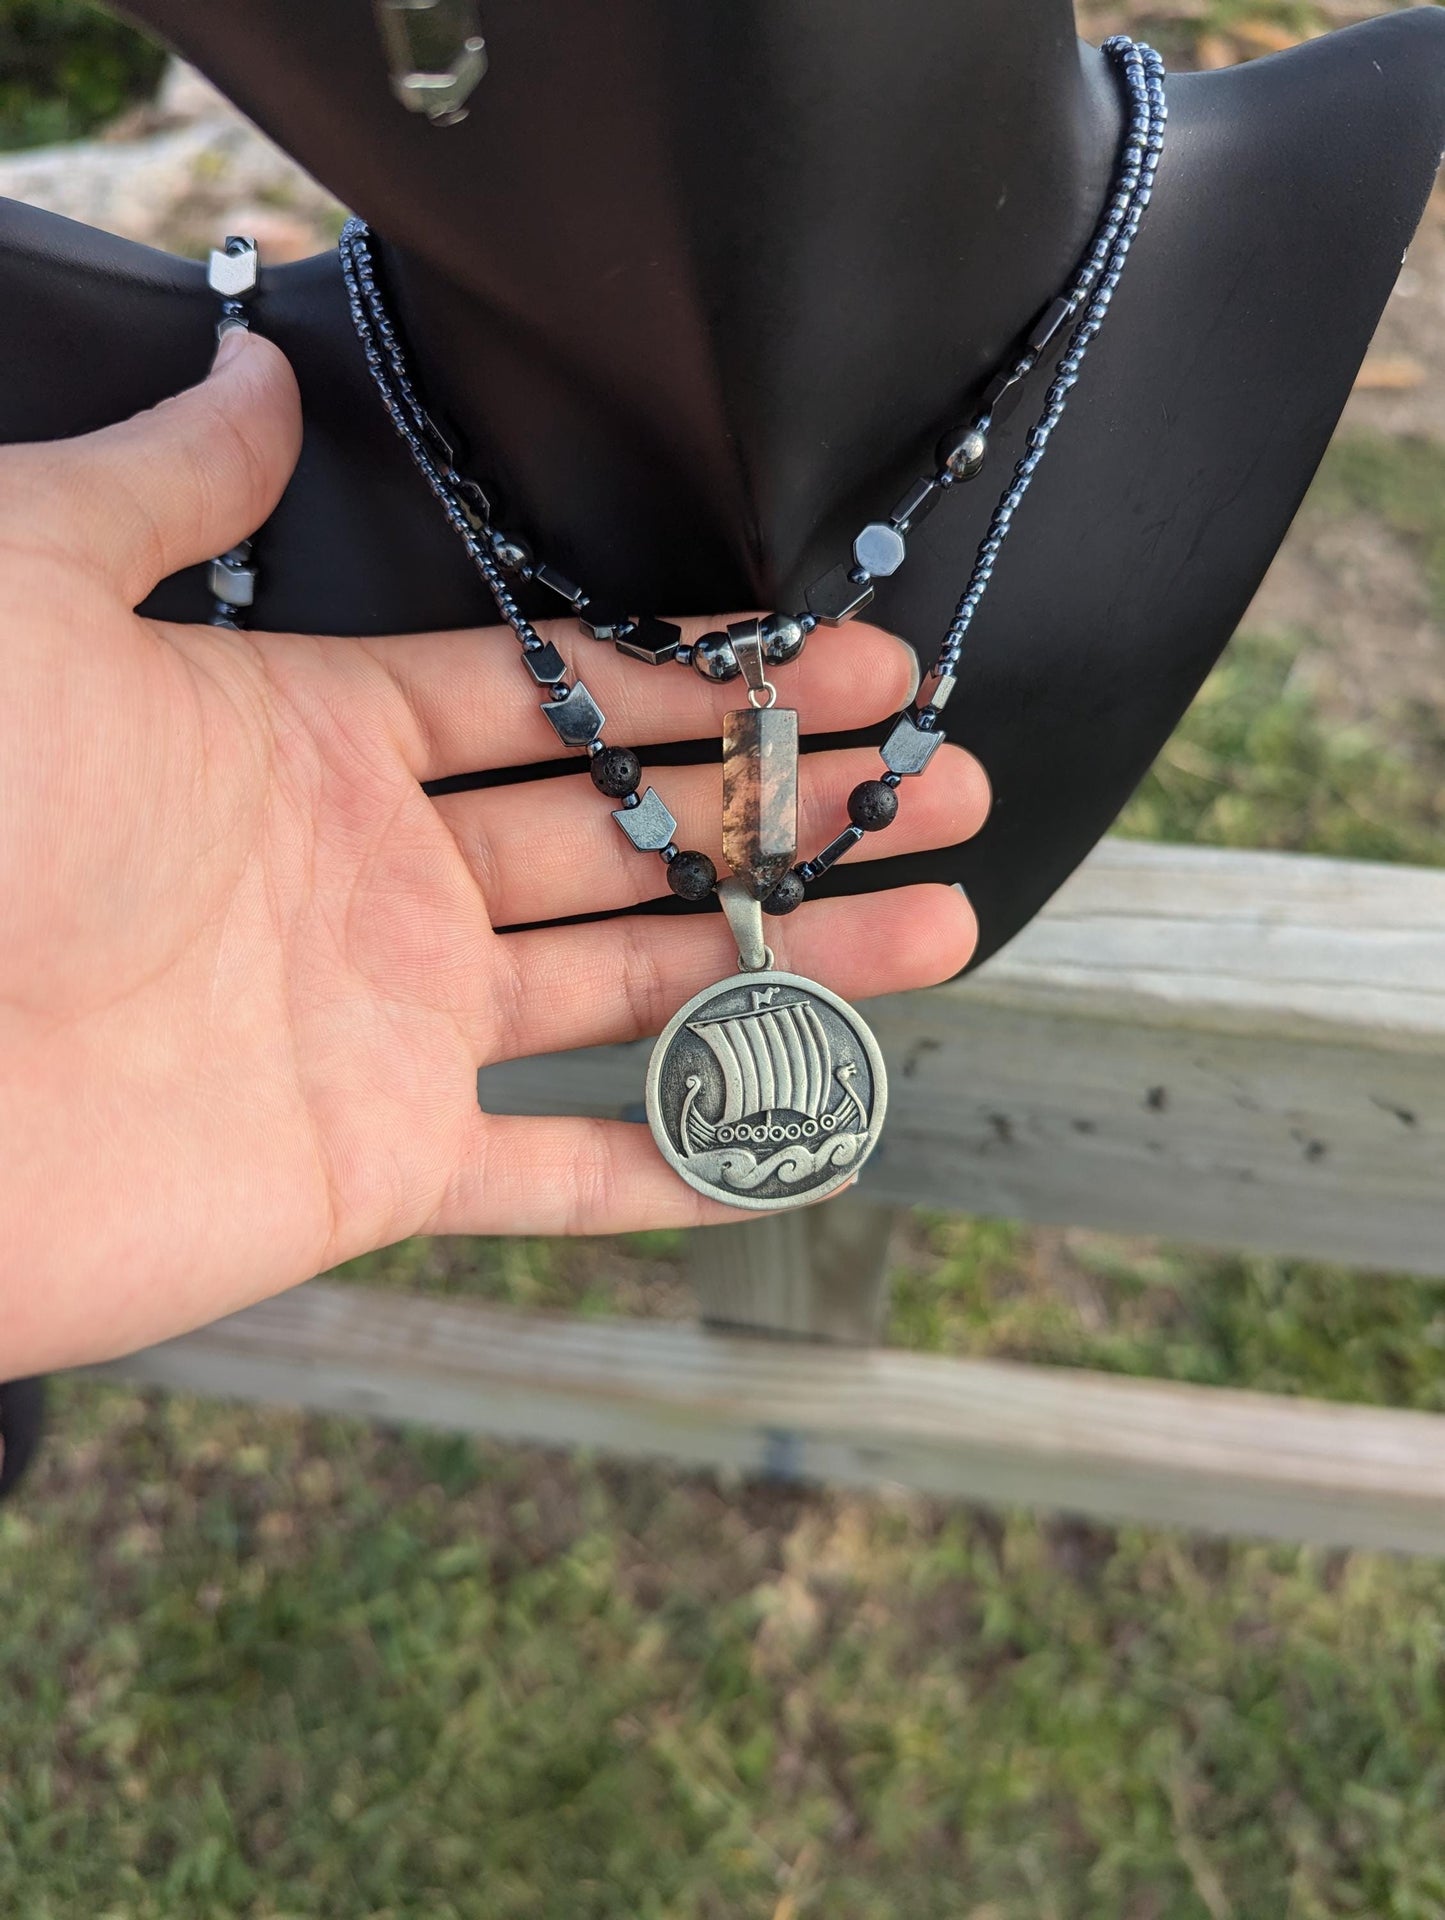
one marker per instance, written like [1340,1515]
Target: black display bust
[700,284]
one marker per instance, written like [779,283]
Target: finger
[562,987]
[474,708]
[545,849]
[563,1176]
[180,483]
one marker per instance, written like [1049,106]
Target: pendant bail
[745,917]
[746,637]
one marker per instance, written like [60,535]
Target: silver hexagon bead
[648,825]
[838,596]
[232,578]
[783,638]
[880,549]
[576,717]
[909,747]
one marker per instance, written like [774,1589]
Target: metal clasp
[436,55]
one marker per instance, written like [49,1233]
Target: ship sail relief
[775,1061]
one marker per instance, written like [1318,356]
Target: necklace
[767,1089]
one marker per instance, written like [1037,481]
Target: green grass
[261,1666]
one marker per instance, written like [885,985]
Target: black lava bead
[692,876]
[616,772]
[787,895]
[872,806]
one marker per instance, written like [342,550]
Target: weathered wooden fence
[1239,1049]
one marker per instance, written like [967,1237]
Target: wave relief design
[741,1169]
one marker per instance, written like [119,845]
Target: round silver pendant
[766,1090]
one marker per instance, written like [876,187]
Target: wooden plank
[816,1273]
[1235,1048]
[1111,1448]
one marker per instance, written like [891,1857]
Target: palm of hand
[254,967]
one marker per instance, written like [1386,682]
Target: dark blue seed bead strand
[916,734]
[1143,143]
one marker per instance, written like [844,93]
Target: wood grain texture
[1112,1448]
[1241,1049]
[818,1273]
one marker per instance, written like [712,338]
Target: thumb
[189,478]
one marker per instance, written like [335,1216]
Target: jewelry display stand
[698,284]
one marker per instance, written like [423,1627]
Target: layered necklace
[766,1089]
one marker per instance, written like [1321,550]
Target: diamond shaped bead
[880,549]
[838,596]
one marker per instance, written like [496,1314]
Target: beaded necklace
[767,1089]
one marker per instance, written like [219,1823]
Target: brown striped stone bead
[760,796]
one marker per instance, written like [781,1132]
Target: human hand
[248,969]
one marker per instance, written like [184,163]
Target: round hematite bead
[872,805]
[714,659]
[787,895]
[616,771]
[962,453]
[512,554]
[783,638]
[692,876]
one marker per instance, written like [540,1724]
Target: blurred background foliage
[67,68]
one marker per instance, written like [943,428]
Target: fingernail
[233,341]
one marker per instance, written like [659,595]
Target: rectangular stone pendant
[760,795]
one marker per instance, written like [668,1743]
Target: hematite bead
[909,747]
[787,896]
[962,452]
[616,771]
[575,715]
[916,505]
[880,549]
[557,582]
[232,578]
[714,659]
[647,823]
[838,596]
[871,805]
[651,640]
[783,638]
[545,664]
[692,876]
[602,623]
[512,555]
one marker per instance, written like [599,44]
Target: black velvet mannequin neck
[700,285]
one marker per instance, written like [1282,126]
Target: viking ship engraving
[781,1085]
